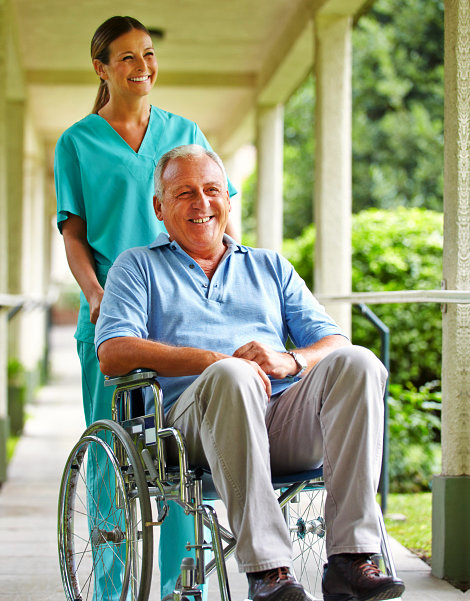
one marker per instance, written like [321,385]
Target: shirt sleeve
[68,184]
[307,320]
[124,307]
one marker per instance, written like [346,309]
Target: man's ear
[157,207]
[99,69]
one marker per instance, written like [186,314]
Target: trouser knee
[232,382]
[358,361]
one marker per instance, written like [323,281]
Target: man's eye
[150,53]
[125,58]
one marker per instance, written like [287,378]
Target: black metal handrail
[385,357]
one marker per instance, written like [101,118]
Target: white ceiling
[218,59]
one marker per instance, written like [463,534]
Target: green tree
[397,117]
[398,100]
[299,150]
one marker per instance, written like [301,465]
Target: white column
[35,251]
[235,175]
[15,149]
[456,321]
[332,196]
[3,244]
[451,489]
[270,146]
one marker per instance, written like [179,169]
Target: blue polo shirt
[159,292]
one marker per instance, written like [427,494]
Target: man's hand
[274,364]
[262,375]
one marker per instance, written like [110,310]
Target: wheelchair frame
[105,537]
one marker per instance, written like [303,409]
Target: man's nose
[141,64]
[201,200]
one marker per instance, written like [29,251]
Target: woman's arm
[81,262]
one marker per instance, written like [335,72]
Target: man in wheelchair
[212,318]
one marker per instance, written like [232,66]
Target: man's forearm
[315,353]
[119,356]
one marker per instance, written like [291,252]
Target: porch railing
[360,300]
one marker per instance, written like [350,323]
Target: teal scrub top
[100,178]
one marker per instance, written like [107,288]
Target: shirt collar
[163,239]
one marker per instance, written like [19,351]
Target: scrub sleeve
[100,178]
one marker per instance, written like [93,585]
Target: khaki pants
[334,416]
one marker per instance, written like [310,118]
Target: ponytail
[102,97]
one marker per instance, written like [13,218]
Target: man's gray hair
[183,152]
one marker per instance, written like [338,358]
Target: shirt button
[191,266]
[205,286]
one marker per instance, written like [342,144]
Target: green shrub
[392,250]
[414,434]
[401,250]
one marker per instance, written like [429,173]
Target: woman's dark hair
[106,33]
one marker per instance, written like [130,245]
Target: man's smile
[201,220]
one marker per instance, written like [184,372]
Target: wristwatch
[300,360]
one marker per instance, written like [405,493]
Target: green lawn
[408,519]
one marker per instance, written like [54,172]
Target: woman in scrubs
[104,167]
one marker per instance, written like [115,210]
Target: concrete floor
[29,569]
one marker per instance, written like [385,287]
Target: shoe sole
[289,593]
[389,591]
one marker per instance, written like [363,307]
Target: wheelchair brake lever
[162,505]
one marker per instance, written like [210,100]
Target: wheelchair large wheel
[105,542]
[305,516]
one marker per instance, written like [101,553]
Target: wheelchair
[106,518]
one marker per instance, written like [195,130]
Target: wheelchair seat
[279,482]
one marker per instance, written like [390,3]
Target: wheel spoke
[102,543]
[306,523]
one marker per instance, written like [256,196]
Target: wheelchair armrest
[137,376]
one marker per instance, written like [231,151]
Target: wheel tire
[305,516]
[105,546]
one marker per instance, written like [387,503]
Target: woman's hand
[95,303]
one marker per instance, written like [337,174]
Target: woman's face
[132,68]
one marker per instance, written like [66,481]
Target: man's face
[195,205]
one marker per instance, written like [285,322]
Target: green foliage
[397,118]
[398,250]
[398,102]
[401,250]
[414,427]
[15,372]
[299,150]
[300,253]
[392,250]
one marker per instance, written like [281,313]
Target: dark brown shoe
[274,585]
[357,578]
